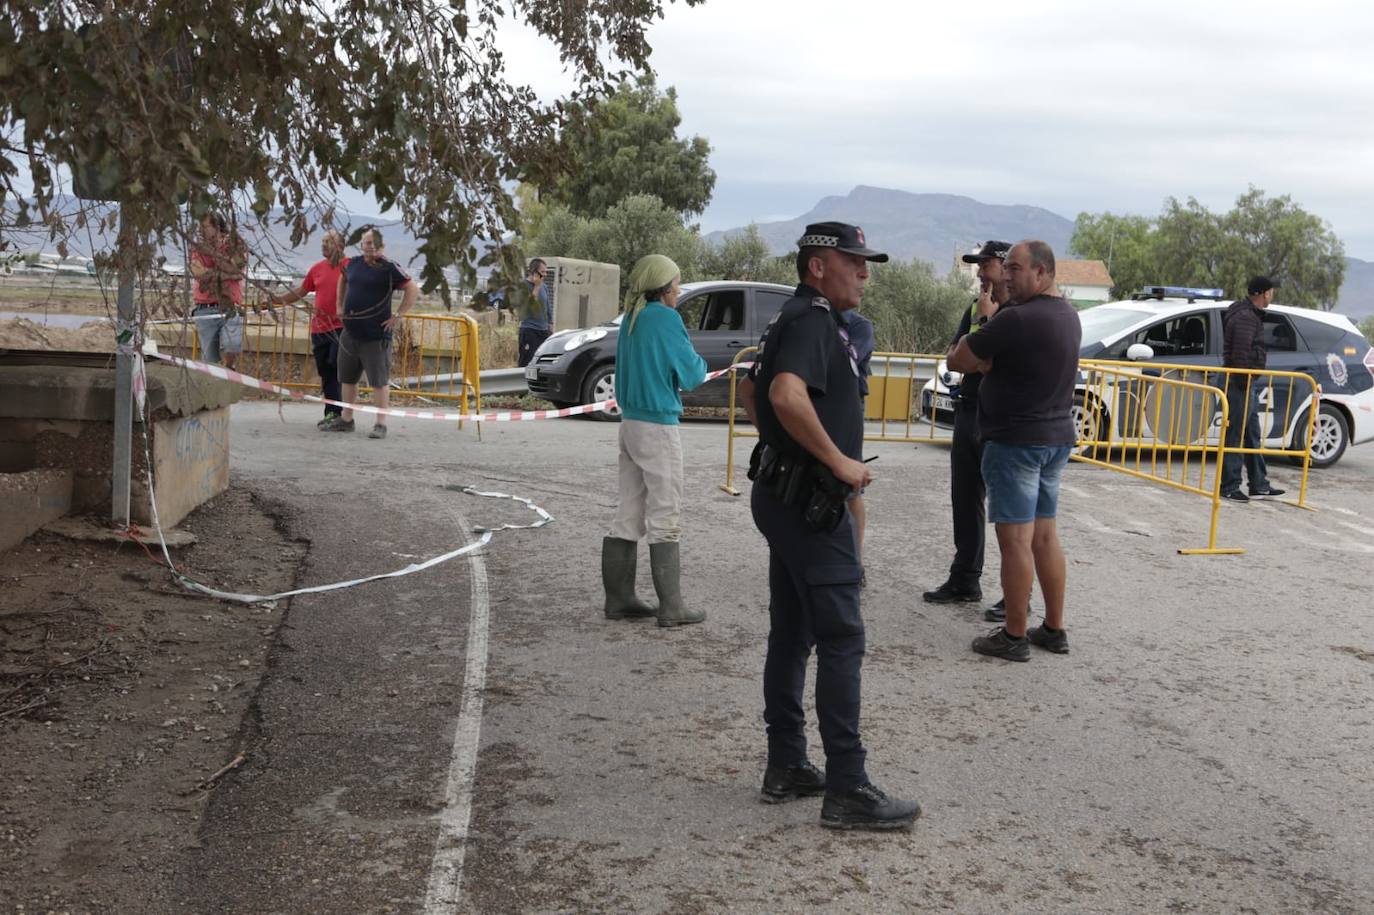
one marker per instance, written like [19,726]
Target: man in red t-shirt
[218,260]
[323,280]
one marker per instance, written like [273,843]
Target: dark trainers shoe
[339,424]
[997,613]
[1057,642]
[378,431]
[1267,491]
[867,807]
[950,593]
[997,644]
[323,425]
[1236,496]
[786,783]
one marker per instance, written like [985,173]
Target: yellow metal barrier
[894,403]
[1161,422]
[1288,401]
[1160,433]
[433,357]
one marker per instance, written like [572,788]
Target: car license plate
[531,373]
[943,402]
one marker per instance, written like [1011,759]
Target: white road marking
[446,869]
[1367,531]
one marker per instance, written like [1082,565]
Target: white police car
[1183,326]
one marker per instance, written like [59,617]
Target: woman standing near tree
[654,361]
[217,263]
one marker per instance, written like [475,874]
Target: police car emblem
[1335,365]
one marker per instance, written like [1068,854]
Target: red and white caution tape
[503,416]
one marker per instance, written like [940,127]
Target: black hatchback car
[722,317]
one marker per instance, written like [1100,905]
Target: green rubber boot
[618,577]
[666,563]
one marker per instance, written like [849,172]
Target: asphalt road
[1205,747]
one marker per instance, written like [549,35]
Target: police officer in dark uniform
[803,396]
[967,494]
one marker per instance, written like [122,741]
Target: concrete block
[30,500]
[190,464]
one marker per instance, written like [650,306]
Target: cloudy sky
[1067,105]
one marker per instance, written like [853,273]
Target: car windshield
[1104,321]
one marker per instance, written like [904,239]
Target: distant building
[1084,283]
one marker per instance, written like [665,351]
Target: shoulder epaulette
[821,302]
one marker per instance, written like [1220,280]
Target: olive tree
[271,106]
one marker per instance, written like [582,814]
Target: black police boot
[618,578]
[951,592]
[867,807]
[665,561]
[786,783]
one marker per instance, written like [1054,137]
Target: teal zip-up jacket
[652,363]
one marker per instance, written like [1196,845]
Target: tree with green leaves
[912,309]
[1124,243]
[625,144]
[637,225]
[746,256]
[271,107]
[1189,245]
[1367,328]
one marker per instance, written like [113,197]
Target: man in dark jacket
[1244,349]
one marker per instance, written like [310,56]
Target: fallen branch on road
[207,783]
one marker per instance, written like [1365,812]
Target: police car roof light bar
[1191,293]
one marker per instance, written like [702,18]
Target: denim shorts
[1023,481]
[217,334]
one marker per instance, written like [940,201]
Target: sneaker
[867,807]
[1057,642]
[998,644]
[997,613]
[1236,496]
[787,783]
[950,593]
[323,425]
[339,424]
[378,431]
[1267,491]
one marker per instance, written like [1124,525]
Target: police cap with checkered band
[842,237]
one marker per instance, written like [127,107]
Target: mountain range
[931,227]
[936,227]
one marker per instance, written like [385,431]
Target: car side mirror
[1140,352]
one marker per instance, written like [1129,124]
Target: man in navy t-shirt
[1028,356]
[365,289]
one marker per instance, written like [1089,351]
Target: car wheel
[1091,423]
[600,385]
[1330,436]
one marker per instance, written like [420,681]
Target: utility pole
[126,333]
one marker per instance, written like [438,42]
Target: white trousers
[650,483]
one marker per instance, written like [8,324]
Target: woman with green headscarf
[654,361]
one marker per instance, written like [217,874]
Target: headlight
[581,338]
